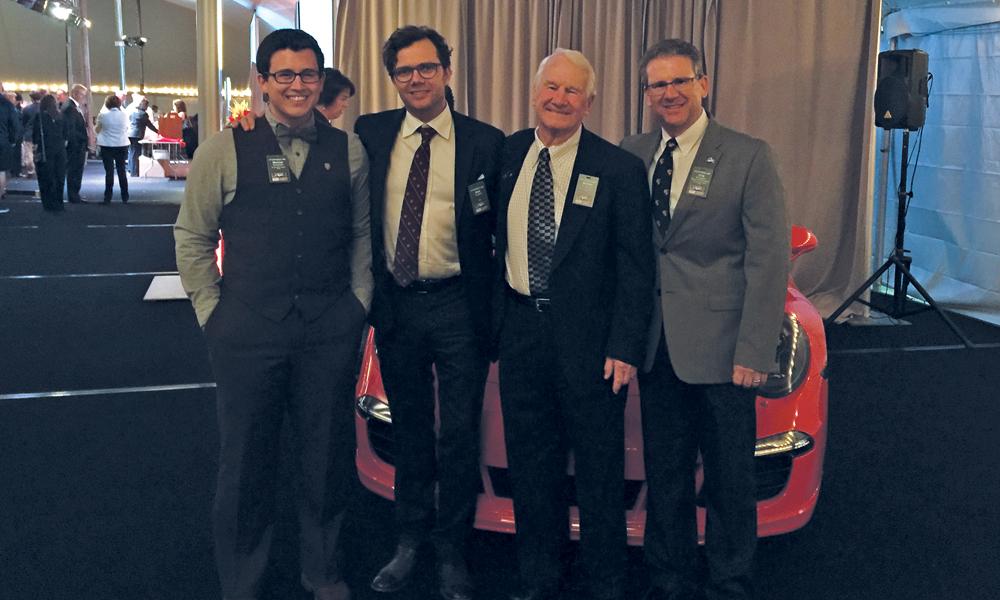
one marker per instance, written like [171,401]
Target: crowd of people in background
[48,135]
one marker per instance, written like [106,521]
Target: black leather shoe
[454,578]
[397,572]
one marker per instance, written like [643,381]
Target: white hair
[575,57]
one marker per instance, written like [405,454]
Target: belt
[539,303]
[427,286]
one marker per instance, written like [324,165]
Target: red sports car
[791,432]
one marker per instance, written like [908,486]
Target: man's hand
[748,378]
[622,371]
[248,121]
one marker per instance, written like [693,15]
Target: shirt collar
[691,136]
[570,145]
[442,124]
[273,121]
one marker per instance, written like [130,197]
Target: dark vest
[288,245]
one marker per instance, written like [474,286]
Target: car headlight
[371,407]
[793,441]
[793,360]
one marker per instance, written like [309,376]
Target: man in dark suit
[283,319]
[722,240]
[10,130]
[77,141]
[432,174]
[575,278]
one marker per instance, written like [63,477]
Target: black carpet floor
[107,496]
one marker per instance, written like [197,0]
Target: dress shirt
[561,161]
[438,252]
[113,128]
[211,184]
[687,148]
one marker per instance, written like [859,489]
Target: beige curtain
[797,73]
[800,74]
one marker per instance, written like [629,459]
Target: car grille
[772,471]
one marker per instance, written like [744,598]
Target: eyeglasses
[426,70]
[658,88]
[288,76]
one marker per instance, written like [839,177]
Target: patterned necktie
[541,226]
[404,266]
[662,175]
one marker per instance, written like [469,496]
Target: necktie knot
[426,133]
[543,156]
[671,145]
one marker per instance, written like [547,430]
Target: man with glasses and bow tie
[432,176]
[722,244]
[572,309]
[283,318]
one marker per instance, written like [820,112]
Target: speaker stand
[900,261]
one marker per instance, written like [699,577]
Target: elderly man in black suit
[432,173]
[77,141]
[574,282]
[722,241]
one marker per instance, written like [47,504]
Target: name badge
[586,190]
[479,198]
[699,180]
[278,170]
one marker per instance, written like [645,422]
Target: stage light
[65,13]
[134,41]
[60,12]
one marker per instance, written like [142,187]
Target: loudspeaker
[901,92]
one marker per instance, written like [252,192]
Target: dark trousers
[15,163]
[268,372]
[134,152]
[546,415]
[51,174]
[433,335]
[113,158]
[76,159]
[678,421]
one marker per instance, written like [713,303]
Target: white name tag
[586,190]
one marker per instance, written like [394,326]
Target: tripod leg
[900,283]
[858,292]
[926,296]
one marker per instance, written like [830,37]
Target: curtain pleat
[800,74]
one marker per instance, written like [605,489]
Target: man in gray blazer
[722,243]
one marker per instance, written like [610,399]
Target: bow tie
[285,133]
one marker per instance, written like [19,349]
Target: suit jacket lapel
[574,216]
[516,148]
[464,153]
[380,161]
[709,153]
[648,144]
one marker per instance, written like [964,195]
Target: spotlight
[60,12]
[132,41]
[65,13]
